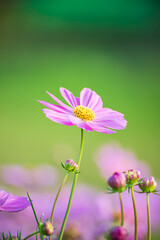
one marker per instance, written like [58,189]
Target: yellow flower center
[84,113]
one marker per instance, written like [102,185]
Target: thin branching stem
[57,196]
[32,234]
[73,188]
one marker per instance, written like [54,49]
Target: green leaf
[10,235]
[3,236]
[63,165]
[156,193]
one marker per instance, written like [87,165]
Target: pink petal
[77,100]
[54,107]
[60,121]
[3,197]
[58,117]
[90,99]
[107,113]
[85,126]
[15,204]
[109,118]
[56,114]
[68,96]
[99,128]
[59,102]
[114,123]
[98,104]
[75,120]
[80,123]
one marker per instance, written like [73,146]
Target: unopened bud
[72,233]
[132,176]
[117,181]
[71,166]
[118,233]
[148,184]
[46,228]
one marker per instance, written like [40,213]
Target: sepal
[111,190]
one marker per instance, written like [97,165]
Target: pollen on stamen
[84,113]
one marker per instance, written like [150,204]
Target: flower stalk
[55,201]
[34,212]
[135,215]
[148,216]
[73,188]
[122,210]
[35,215]
[57,196]
[32,234]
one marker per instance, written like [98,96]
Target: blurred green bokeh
[109,47]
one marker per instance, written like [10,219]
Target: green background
[110,47]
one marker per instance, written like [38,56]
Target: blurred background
[112,47]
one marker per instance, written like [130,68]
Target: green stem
[32,234]
[135,215]
[41,236]
[55,201]
[33,210]
[73,188]
[149,219]
[122,210]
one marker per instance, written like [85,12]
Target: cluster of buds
[70,166]
[117,233]
[46,228]
[117,182]
[148,185]
[132,176]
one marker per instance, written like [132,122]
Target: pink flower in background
[112,158]
[85,112]
[32,178]
[10,203]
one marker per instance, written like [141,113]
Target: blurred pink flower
[86,112]
[41,176]
[10,203]
[112,158]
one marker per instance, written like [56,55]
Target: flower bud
[46,228]
[117,181]
[72,233]
[71,166]
[148,184]
[118,233]
[132,176]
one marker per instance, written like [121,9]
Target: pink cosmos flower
[121,159]
[86,112]
[10,203]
